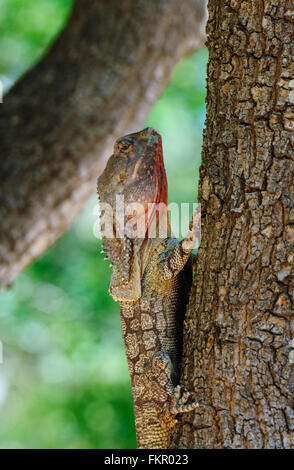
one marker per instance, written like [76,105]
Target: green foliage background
[64,381]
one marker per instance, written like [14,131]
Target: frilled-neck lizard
[151,279]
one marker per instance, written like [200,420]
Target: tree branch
[57,125]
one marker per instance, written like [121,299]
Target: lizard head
[135,171]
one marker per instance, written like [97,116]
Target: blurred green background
[64,381]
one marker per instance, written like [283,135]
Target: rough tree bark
[240,322]
[58,124]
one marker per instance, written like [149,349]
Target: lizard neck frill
[128,288]
[134,175]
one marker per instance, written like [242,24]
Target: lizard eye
[125,146]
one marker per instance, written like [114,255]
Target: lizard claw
[179,402]
[194,230]
[196,217]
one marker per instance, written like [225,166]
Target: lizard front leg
[156,417]
[179,256]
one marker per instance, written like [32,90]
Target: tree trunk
[58,124]
[240,321]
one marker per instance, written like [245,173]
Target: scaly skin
[151,280]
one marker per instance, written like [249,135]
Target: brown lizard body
[151,280]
